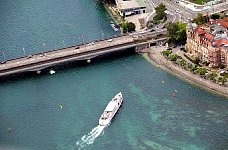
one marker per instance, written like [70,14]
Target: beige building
[209,42]
[130,7]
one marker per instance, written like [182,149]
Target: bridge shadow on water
[69,65]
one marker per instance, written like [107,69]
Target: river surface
[61,111]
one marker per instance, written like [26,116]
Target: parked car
[182,49]
[41,55]
[77,47]
[29,56]
[109,40]
[3,62]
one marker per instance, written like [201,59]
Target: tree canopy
[160,11]
[128,27]
[215,16]
[110,1]
[177,31]
[200,19]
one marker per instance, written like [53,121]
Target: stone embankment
[157,58]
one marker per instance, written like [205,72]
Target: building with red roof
[209,42]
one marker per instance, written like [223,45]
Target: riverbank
[155,57]
[112,12]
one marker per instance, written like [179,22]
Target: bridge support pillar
[141,47]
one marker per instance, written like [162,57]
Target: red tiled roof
[223,22]
[199,30]
[221,41]
[209,36]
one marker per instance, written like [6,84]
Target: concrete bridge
[86,51]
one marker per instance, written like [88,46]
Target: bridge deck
[42,60]
[54,54]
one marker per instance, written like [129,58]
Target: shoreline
[112,14]
[156,58]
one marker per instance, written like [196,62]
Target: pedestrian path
[198,8]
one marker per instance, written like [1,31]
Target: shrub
[166,53]
[222,66]
[224,74]
[201,71]
[173,57]
[196,60]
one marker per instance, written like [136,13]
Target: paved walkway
[198,8]
[135,20]
[155,56]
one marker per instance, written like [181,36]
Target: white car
[91,44]
[109,40]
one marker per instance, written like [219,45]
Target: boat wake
[90,137]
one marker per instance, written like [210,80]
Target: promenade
[154,54]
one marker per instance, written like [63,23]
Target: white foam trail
[90,137]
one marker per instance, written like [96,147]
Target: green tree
[131,26]
[193,68]
[160,11]
[127,27]
[110,1]
[215,16]
[173,57]
[124,27]
[200,19]
[172,29]
[182,62]
[181,33]
[166,53]
[176,31]
[222,66]
[196,60]
[212,76]
[222,80]
[201,71]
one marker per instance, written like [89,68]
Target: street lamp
[23,50]
[4,56]
[63,43]
[44,46]
[102,34]
[83,41]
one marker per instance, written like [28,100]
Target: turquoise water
[49,24]
[149,119]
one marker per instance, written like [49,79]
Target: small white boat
[52,71]
[111,110]
[114,26]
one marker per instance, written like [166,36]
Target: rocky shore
[155,56]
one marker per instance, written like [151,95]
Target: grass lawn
[198,1]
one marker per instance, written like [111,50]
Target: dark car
[3,62]
[168,48]
[77,47]
[29,56]
[182,49]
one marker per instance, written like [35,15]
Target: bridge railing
[23,66]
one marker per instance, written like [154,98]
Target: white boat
[114,26]
[52,71]
[111,110]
